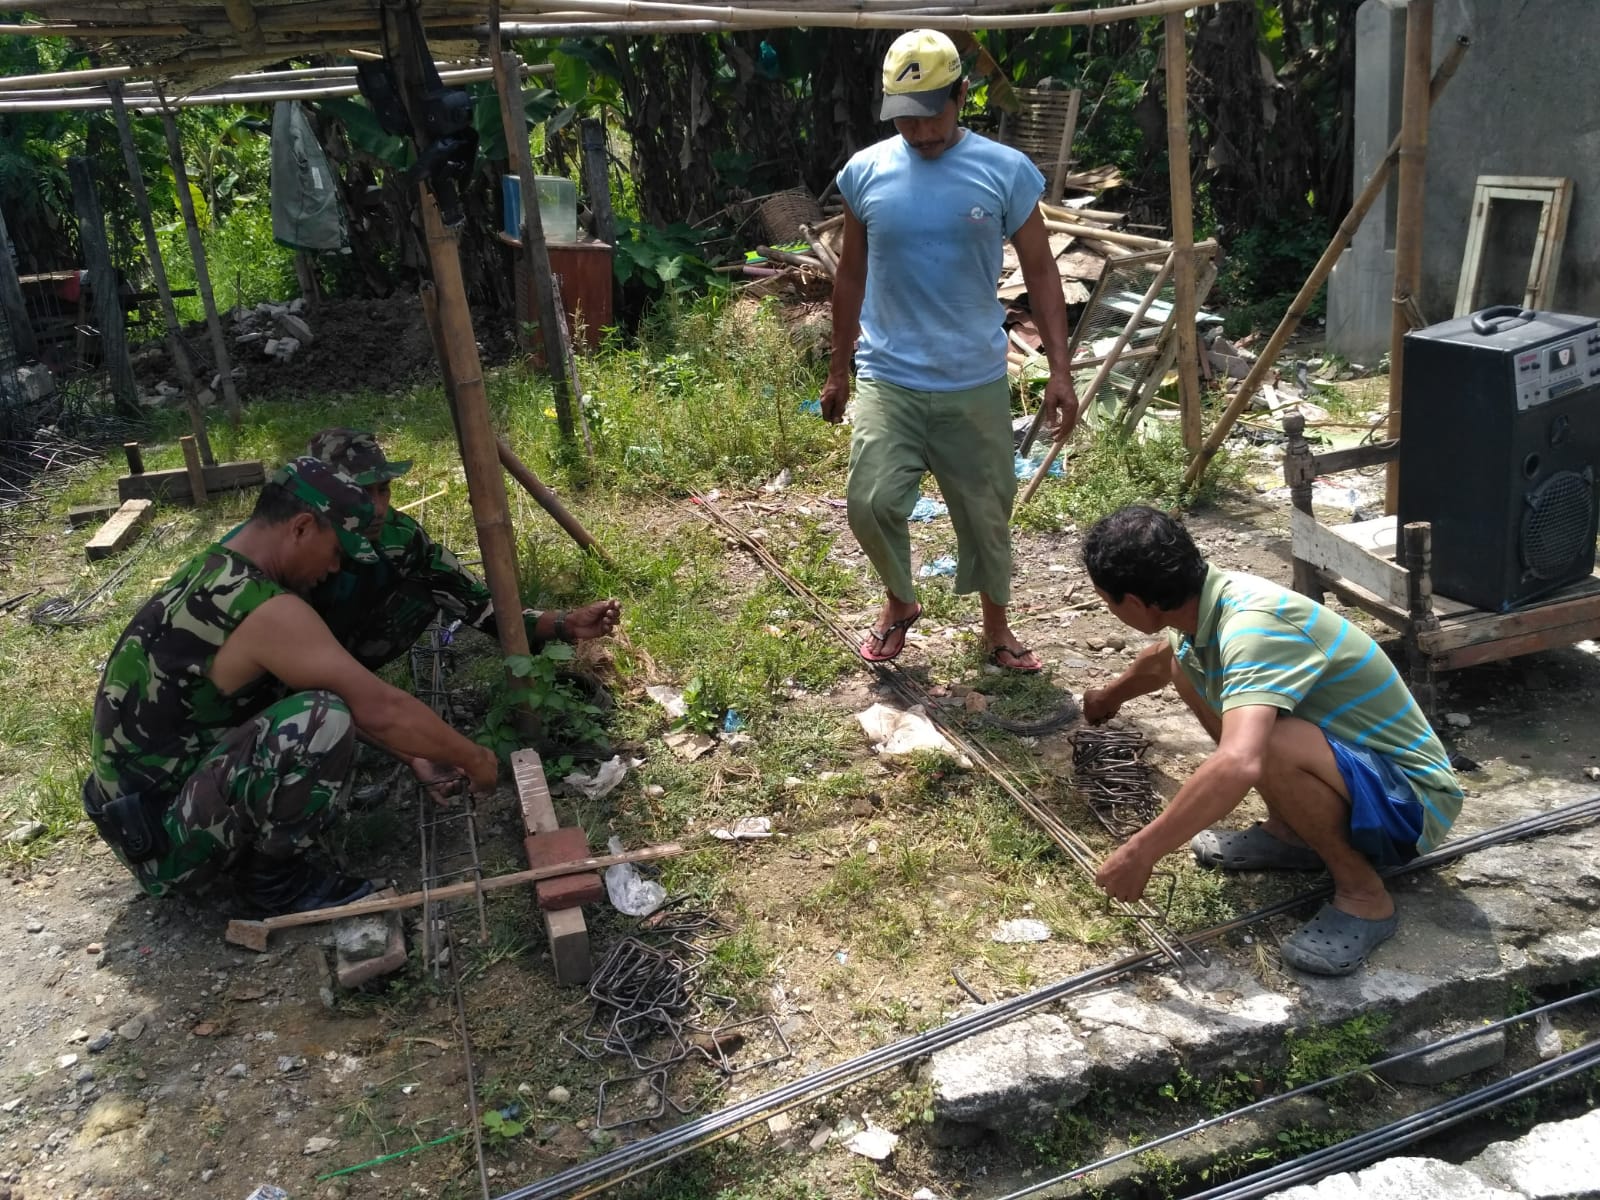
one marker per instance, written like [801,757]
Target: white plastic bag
[631,892]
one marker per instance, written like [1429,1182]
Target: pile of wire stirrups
[649,1009]
[1114,780]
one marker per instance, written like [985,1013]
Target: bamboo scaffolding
[1299,306]
[765,18]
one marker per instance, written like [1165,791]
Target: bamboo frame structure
[1301,304]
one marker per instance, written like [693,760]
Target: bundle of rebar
[1111,775]
[650,1009]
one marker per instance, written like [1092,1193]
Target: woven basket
[783,213]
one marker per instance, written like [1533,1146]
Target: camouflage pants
[271,786]
[393,626]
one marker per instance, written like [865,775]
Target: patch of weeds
[1321,1053]
[565,716]
[705,704]
[1224,1093]
[1200,899]
[913,1104]
[1160,1173]
[1072,1138]
[500,1130]
[1015,696]
[1305,1138]
[722,1171]
[738,966]
[1108,472]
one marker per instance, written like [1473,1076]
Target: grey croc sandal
[1335,942]
[1252,849]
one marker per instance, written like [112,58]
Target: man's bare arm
[849,290]
[285,638]
[1049,309]
[1210,794]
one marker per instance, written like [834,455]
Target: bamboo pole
[1411,193]
[1183,301]
[1116,237]
[536,255]
[777,18]
[202,277]
[11,299]
[152,249]
[486,487]
[597,178]
[103,279]
[1301,304]
[1107,363]
[547,499]
[64,80]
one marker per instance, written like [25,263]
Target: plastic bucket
[558,206]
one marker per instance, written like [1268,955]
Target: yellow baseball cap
[917,74]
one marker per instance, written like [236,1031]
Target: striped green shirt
[1259,643]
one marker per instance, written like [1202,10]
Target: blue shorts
[1385,814]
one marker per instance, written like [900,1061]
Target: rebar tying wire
[435,824]
[648,1008]
[606,1170]
[1456,1039]
[1150,923]
[1110,773]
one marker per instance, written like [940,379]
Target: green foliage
[245,264]
[1108,472]
[564,715]
[663,261]
[1264,269]
[1319,1054]
[704,705]
[500,1128]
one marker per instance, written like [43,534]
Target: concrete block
[567,891]
[1451,1062]
[1550,1162]
[1010,1080]
[353,971]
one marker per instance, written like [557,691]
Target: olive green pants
[962,438]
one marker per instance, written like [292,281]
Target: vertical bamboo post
[1183,299]
[197,473]
[202,277]
[536,257]
[1410,196]
[103,279]
[486,486]
[1069,130]
[152,249]
[1298,307]
[16,308]
[597,178]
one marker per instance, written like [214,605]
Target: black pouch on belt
[127,822]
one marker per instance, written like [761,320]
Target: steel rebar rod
[606,1170]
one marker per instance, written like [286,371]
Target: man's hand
[1099,706]
[484,773]
[1124,875]
[835,395]
[1059,409]
[592,620]
[441,781]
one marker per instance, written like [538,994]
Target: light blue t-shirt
[930,320]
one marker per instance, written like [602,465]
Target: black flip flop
[902,626]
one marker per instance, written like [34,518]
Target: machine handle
[1499,318]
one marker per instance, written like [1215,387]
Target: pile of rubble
[275,330]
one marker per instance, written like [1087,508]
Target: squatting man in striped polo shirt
[1303,707]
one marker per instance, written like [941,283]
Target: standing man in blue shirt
[914,307]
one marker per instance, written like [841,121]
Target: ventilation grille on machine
[1556,523]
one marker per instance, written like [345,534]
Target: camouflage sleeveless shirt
[157,714]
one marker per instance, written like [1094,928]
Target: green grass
[1107,472]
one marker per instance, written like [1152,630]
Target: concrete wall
[1526,101]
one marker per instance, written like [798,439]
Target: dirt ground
[143,1056]
[357,345]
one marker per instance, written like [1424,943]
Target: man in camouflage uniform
[225,724]
[378,609]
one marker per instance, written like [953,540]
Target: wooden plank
[196,472]
[1475,626]
[569,936]
[1355,458]
[88,514]
[173,485]
[1397,619]
[121,531]
[1325,549]
[1527,643]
